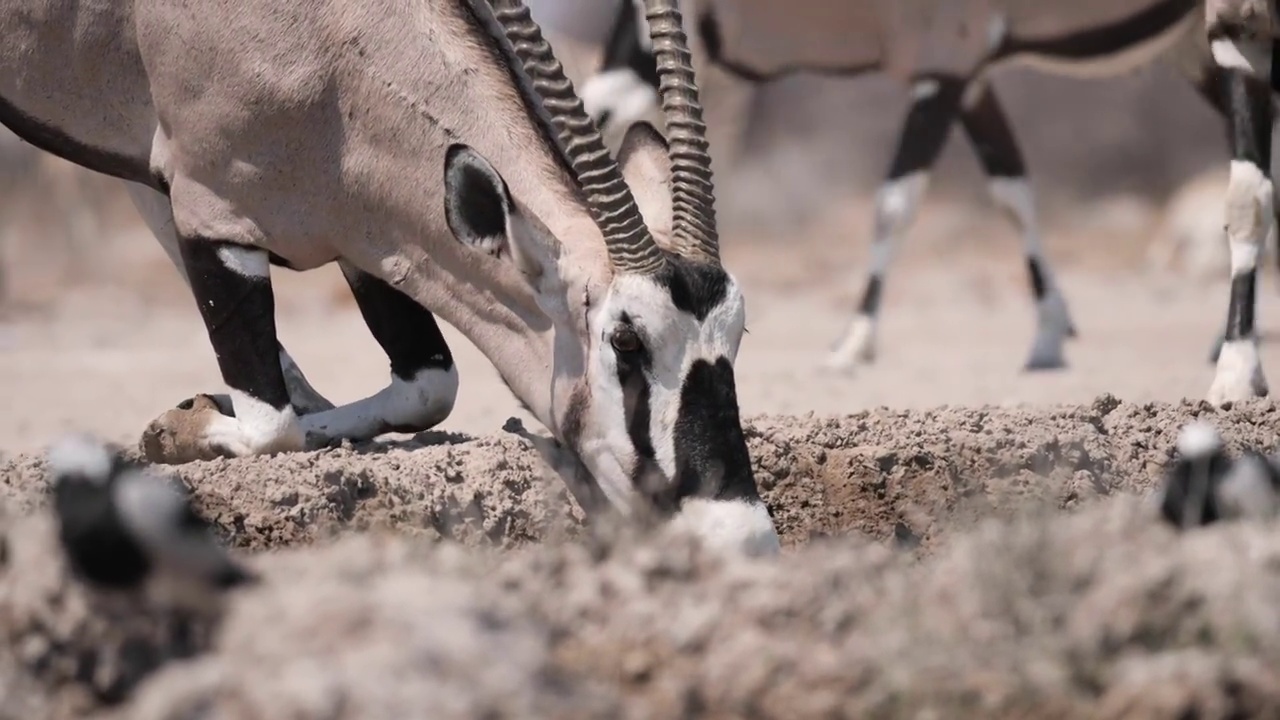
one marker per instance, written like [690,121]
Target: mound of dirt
[1006,607]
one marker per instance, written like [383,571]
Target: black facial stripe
[633,369]
[696,288]
[625,47]
[711,454]
[1108,39]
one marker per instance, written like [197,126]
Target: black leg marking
[991,134]
[407,332]
[870,303]
[1037,278]
[924,132]
[1250,103]
[923,135]
[239,314]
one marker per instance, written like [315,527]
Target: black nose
[603,118]
[711,453]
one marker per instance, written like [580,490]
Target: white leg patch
[1239,373]
[257,428]
[416,404]
[735,526]
[1253,58]
[245,261]
[856,347]
[1250,213]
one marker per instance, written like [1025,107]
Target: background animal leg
[158,214]
[935,103]
[424,381]
[1250,211]
[989,131]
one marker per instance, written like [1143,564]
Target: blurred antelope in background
[945,52]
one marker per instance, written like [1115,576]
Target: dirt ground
[984,549]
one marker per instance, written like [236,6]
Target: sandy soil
[948,563]
[982,550]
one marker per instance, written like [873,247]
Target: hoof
[178,436]
[1044,364]
[1239,374]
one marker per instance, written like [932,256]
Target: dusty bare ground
[980,551]
[961,562]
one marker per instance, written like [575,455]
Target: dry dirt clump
[911,475]
[1011,607]
[1099,614]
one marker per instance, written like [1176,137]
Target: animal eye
[625,340]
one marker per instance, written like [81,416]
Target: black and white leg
[424,381]
[935,103]
[1250,209]
[989,131]
[158,214]
[231,284]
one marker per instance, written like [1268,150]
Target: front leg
[935,104]
[1250,209]
[424,381]
[232,288]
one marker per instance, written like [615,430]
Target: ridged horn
[693,200]
[609,199]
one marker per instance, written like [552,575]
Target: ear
[646,168]
[482,215]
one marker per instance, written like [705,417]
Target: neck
[401,119]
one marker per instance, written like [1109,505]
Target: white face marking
[627,97]
[674,341]
[80,455]
[422,402]
[1251,57]
[734,526]
[245,261]
[256,429]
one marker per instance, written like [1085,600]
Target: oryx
[945,51]
[436,151]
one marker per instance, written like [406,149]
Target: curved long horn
[693,200]
[609,199]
